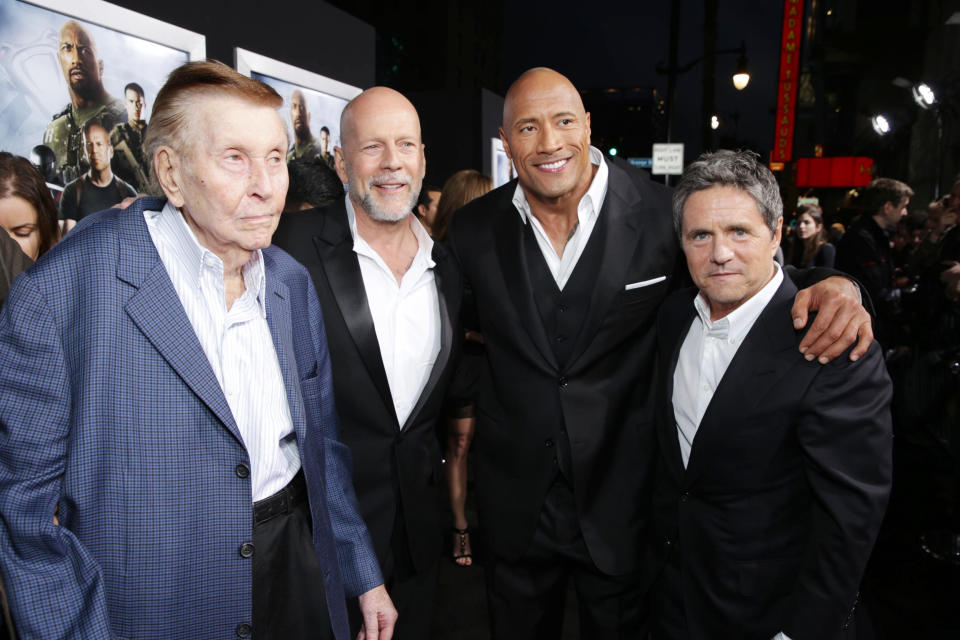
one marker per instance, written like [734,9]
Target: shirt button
[244,630]
[562,382]
[242,470]
[562,308]
[246,550]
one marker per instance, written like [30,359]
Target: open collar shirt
[588,210]
[238,345]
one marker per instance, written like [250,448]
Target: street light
[923,95]
[613,151]
[880,124]
[742,76]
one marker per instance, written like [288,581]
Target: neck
[880,220]
[395,242]
[302,139]
[100,178]
[82,102]
[558,216]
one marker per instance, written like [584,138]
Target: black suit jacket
[524,397]
[773,520]
[392,467]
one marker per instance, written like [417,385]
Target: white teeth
[554,165]
[390,186]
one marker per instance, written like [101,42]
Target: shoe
[462,557]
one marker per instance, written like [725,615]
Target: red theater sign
[787,87]
[843,171]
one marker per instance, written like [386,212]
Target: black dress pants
[527,597]
[289,601]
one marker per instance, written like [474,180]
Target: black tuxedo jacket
[393,468]
[600,398]
[773,520]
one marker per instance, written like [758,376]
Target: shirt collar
[735,325]
[591,202]
[424,241]
[194,258]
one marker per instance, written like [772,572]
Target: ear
[506,145]
[340,164]
[423,163]
[100,66]
[588,126]
[167,165]
[777,235]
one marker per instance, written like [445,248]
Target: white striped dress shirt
[237,344]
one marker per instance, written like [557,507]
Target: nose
[391,158]
[548,141]
[721,252]
[259,179]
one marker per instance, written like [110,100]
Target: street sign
[668,159]
[642,163]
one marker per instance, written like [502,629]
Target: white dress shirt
[406,316]
[705,355]
[561,266]
[237,344]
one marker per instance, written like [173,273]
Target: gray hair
[725,168]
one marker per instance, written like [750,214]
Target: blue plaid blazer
[110,411]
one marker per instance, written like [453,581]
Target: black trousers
[289,602]
[527,597]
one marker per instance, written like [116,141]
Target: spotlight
[613,151]
[880,124]
[714,122]
[923,95]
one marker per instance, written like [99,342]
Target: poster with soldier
[66,66]
[311,104]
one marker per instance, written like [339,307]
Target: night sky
[603,43]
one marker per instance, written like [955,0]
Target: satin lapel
[335,247]
[157,311]
[619,244]
[676,324]
[281,330]
[447,287]
[757,366]
[516,277]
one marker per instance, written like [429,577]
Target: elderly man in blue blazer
[169,462]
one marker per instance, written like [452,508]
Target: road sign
[668,159]
[642,163]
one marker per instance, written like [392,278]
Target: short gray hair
[725,168]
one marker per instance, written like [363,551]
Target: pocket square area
[645,283]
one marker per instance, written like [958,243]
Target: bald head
[381,156]
[370,103]
[546,133]
[78,60]
[299,116]
[539,81]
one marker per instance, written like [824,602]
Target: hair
[90,124]
[812,244]
[324,129]
[881,191]
[133,86]
[170,120]
[458,190]
[312,182]
[739,169]
[424,197]
[20,178]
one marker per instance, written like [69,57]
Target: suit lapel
[281,330]
[757,366]
[157,311]
[619,244]
[675,325]
[335,246]
[447,287]
[516,276]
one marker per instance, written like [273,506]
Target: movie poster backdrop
[54,53]
[312,104]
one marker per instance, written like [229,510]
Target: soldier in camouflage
[89,101]
[129,159]
[304,146]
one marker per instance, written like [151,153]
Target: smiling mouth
[553,167]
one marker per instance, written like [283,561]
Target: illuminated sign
[787,86]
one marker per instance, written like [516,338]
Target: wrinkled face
[546,133]
[892,213]
[728,247]
[807,227]
[299,116]
[99,150]
[135,104]
[19,219]
[233,180]
[382,157]
[78,59]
